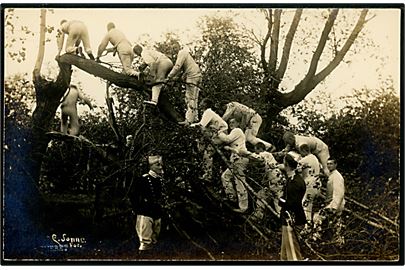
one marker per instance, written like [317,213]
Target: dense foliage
[364,136]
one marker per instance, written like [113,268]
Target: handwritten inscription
[68,241]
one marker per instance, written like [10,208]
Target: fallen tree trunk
[121,80]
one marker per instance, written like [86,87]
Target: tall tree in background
[48,96]
[231,72]
[275,65]
[227,62]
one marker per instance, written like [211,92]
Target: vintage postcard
[161,134]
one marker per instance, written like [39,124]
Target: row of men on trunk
[161,68]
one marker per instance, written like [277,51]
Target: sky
[364,71]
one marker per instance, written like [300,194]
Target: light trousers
[75,37]
[313,189]
[234,176]
[159,71]
[191,99]
[290,248]
[148,230]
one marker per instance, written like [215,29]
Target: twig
[314,251]
[244,181]
[370,222]
[369,19]
[372,211]
[193,242]
[365,207]
[257,229]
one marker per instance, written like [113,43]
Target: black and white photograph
[202,134]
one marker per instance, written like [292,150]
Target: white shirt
[335,191]
[315,144]
[212,120]
[236,139]
[267,157]
[186,62]
[151,56]
[311,166]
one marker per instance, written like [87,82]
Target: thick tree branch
[321,45]
[101,152]
[266,40]
[306,86]
[41,47]
[121,80]
[98,70]
[111,115]
[288,43]
[274,42]
[341,54]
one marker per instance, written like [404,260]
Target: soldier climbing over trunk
[121,45]
[192,75]
[77,32]
[236,143]
[159,64]
[69,110]
[250,122]
[213,126]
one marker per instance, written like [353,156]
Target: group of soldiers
[154,63]
[290,186]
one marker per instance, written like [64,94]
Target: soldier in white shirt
[159,64]
[273,183]
[121,45]
[335,203]
[211,122]
[77,32]
[236,143]
[192,74]
[250,121]
[316,147]
[335,189]
[213,126]
[310,169]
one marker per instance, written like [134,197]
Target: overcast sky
[363,71]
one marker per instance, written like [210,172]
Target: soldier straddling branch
[77,32]
[159,64]
[121,45]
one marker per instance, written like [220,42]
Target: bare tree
[274,74]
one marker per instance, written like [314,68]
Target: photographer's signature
[65,242]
